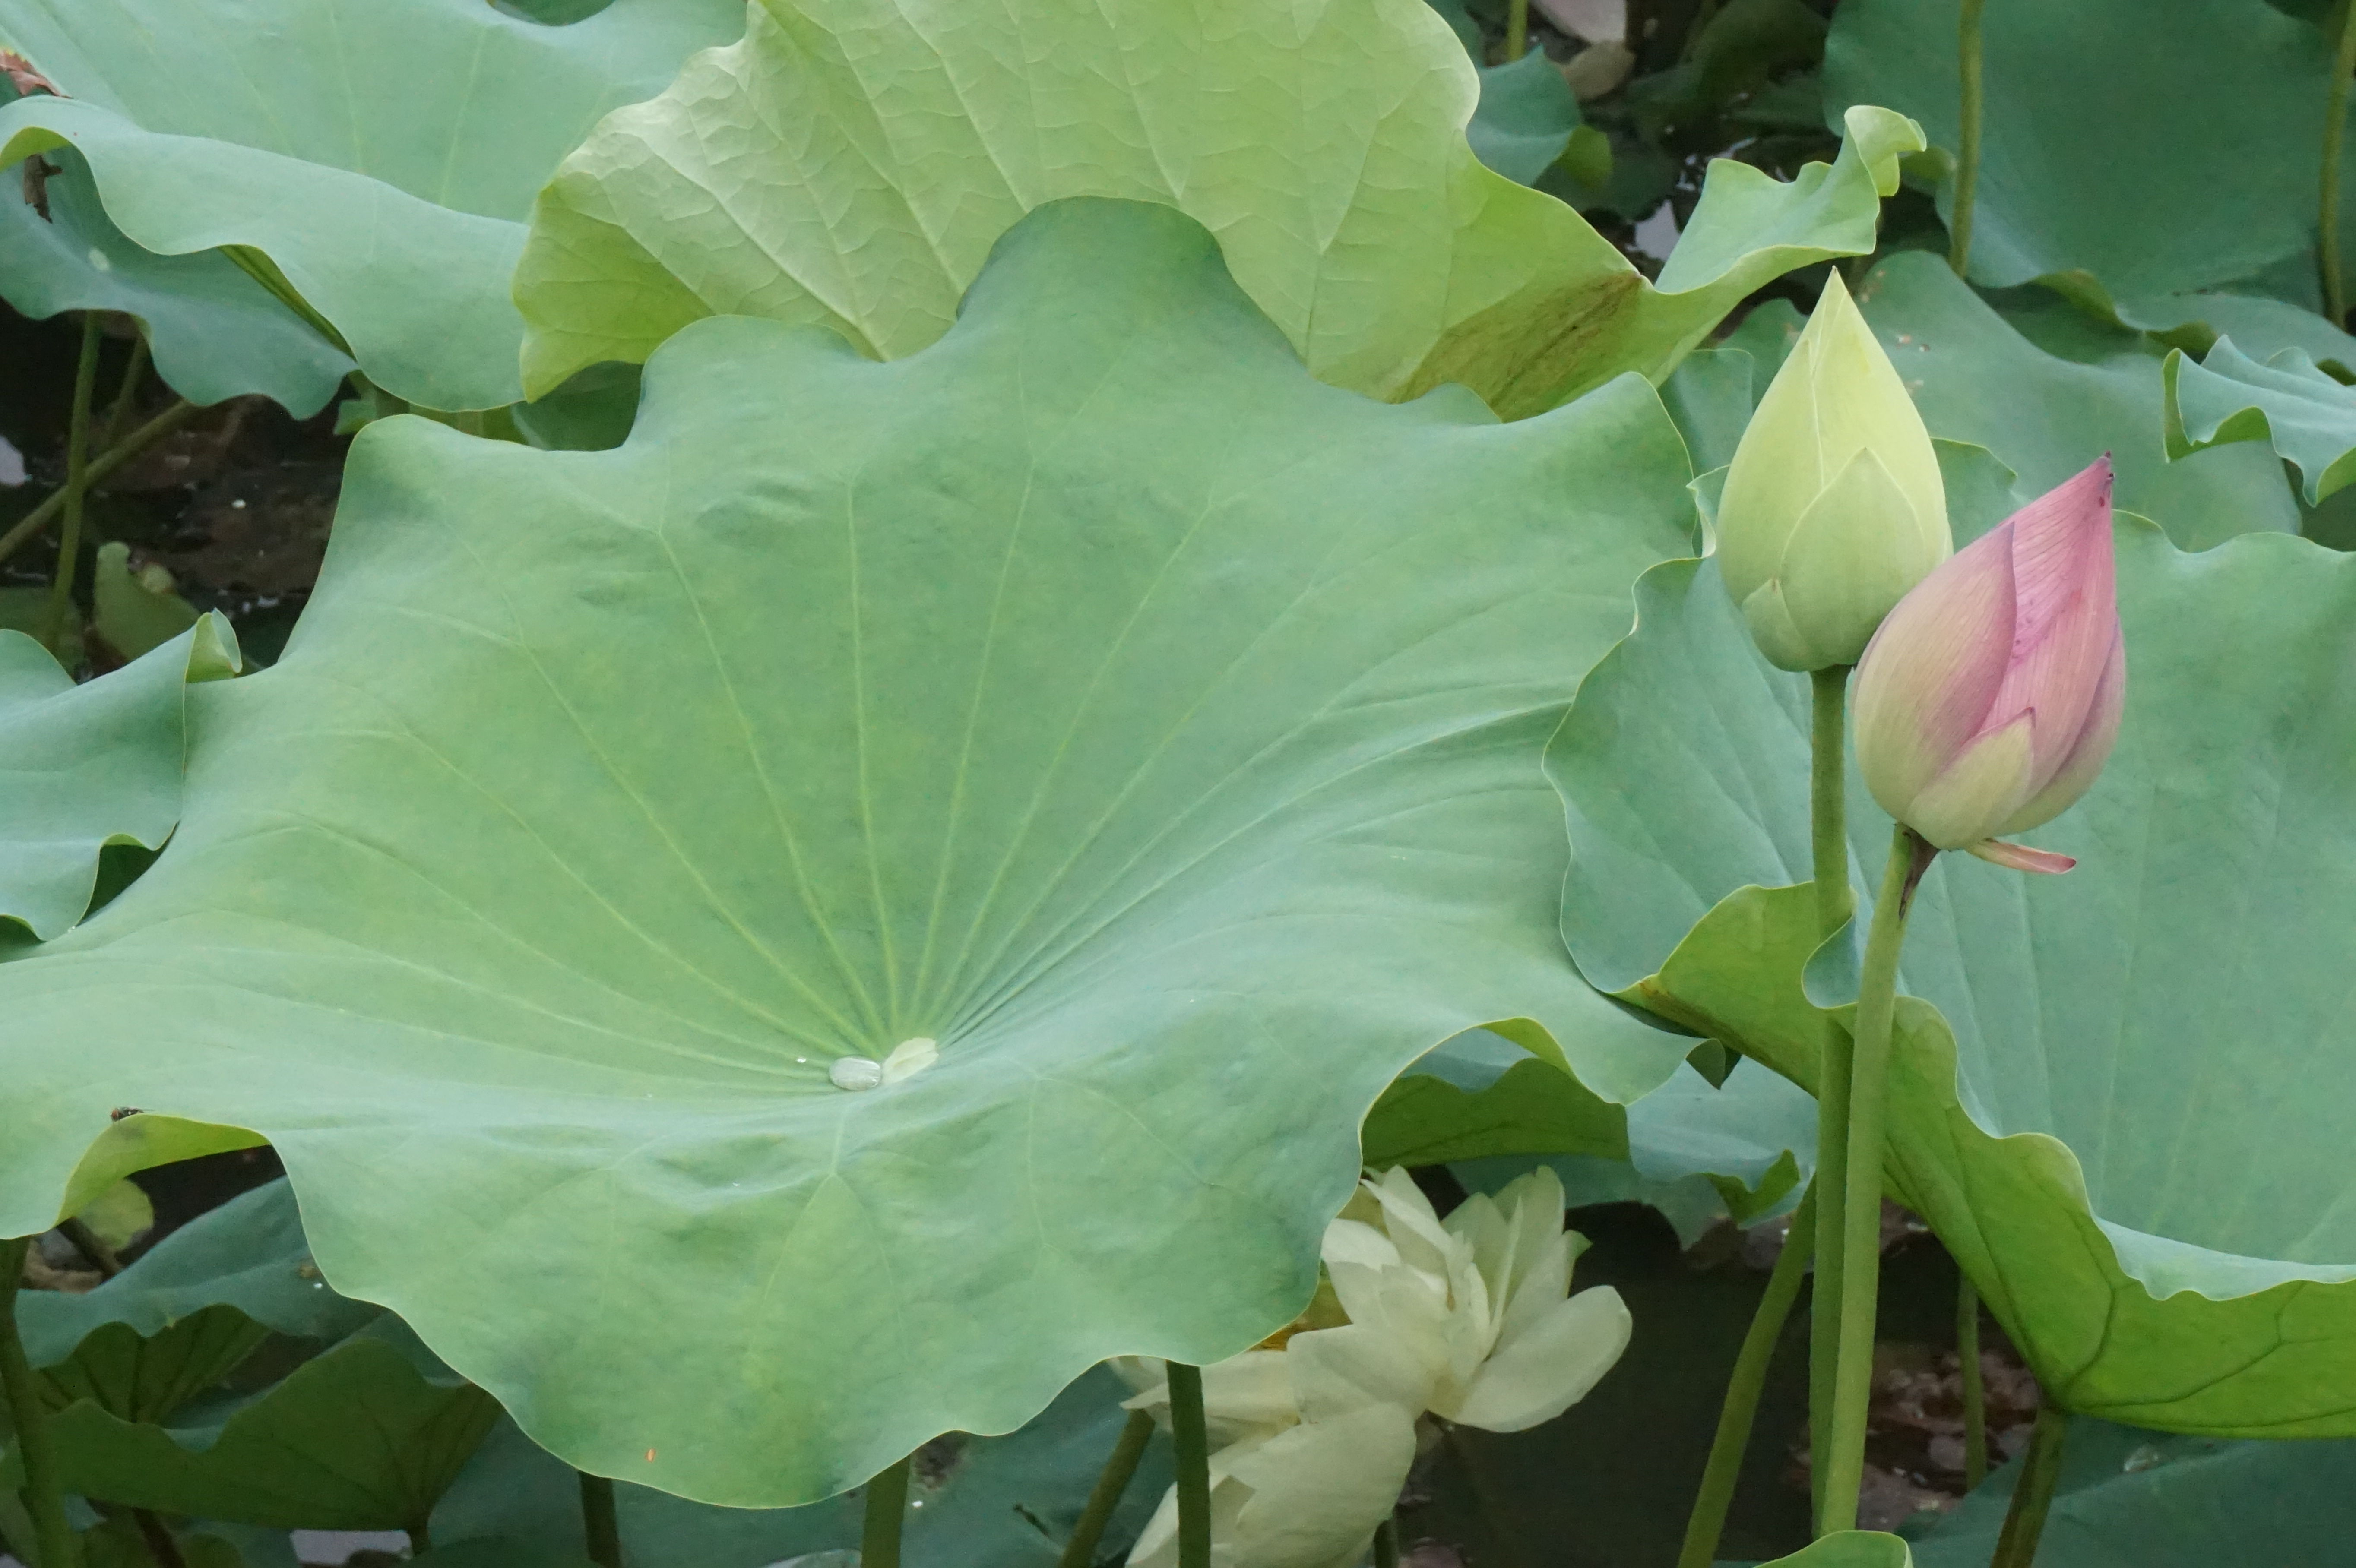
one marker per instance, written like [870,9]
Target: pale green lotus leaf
[2103,1089]
[1977,375]
[375,162]
[2129,1498]
[2309,418]
[2154,161]
[216,332]
[85,766]
[851,162]
[1095,694]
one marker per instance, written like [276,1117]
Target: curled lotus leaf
[371,163]
[86,767]
[1115,747]
[2306,416]
[851,162]
[2104,1085]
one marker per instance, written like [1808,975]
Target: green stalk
[1967,165]
[1967,1353]
[601,1526]
[1128,1449]
[1828,839]
[1861,1215]
[125,395]
[2335,124]
[53,623]
[1190,1436]
[106,462]
[421,1539]
[2024,1521]
[1742,1390]
[887,1509]
[59,1547]
[1517,30]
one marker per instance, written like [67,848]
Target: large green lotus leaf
[2134,1499]
[1976,376]
[2103,1089]
[2157,160]
[366,1436]
[379,158]
[85,766]
[1096,694]
[215,331]
[2308,418]
[973,1500]
[249,1253]
[851,162]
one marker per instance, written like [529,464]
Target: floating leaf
[86,767]
[2307,417]
[1850,1549]
[1095,695]
[372,163]
[851,162]
[2103,1087]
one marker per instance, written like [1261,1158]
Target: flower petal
[1549,1369]
[1859,549]
[1925,681]
[1979,789]
[2066,615]
[2021,857]
[2097,733]
[1319,1491]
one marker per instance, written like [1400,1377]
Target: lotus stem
[1860,1215]
[2335,126]
[157,1537]
[1190,1436]
[126,395]
[104,464]
[601,1525]
[1967,1353]
[887,1510]
[1724,1466]
[53,623]
[2024,1521]
[1120,1469]
[59,1546]
[1517,30]
[1968,161]
[1829,840]
[1387,1543]
[91,1246]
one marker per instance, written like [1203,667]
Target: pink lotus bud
[1989,700]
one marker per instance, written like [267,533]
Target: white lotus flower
[1469,1319]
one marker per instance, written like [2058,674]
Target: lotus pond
[990,784]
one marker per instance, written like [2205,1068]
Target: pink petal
[2092,748]
[1926,679]
[2066,615]
[2021,857]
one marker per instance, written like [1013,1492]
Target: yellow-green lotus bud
[1834,507]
